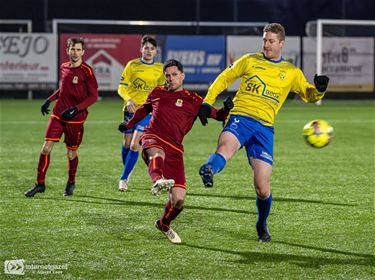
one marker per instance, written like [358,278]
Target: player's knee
[134,146]
[71,154]
[178,203]
[46,149]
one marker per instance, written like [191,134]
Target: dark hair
[148,39]
[276,28]
[76,40]
[173,62]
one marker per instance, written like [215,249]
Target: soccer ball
[318,133]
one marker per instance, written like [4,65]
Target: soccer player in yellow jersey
[139,77]
[266,80]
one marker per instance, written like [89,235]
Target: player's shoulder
[87,69]
[158,65]
[158,90]
[65,65]
[134,62]
[192,95]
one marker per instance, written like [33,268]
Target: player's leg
[155,157]
[260,154]
[174,169]
[126,138]
[133,153]
[72,170]
[228,145]
[73,139]
[262,174]
[53,134]
[131,158]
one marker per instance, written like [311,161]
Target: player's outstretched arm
[222,114]
[204,113]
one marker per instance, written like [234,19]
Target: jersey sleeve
[54,96]
[304,89]
[124,82]
[92,93]
[141,112]
[226,78]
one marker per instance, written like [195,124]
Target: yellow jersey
[138,79]
[265,84]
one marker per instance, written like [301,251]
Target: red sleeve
[54,96]
[92,91]
[219,115]
[141,112]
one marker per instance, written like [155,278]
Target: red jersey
[78,87]
[173,114]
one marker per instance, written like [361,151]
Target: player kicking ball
[174,110]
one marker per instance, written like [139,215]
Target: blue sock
[130,162]
[124,153]
[264,207]
[217,162]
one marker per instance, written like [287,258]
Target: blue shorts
[139,126]
[256,137]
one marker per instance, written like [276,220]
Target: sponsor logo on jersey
[139,84]
[75,80]
[179,102]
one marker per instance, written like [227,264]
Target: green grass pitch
[322,217]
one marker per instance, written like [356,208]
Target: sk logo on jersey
[179,103]
[75,80]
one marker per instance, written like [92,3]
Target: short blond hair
[276,28]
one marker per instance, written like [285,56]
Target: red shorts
[173,162]
[73,132]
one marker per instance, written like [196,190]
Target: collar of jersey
[273,61]
[144,62]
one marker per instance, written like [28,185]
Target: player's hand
[123,127]
[69,113]
[321,82]
[228,103]
[204,113]
[44,108]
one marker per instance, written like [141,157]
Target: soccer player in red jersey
[78,90]
[174,110]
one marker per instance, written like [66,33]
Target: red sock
[155,168]
[43,164]
[72,169]
[170,213]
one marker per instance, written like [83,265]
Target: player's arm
[307,91]
[222,114]
[123,86]
[208,111]
[44,108]
[139,114]
[226,78]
